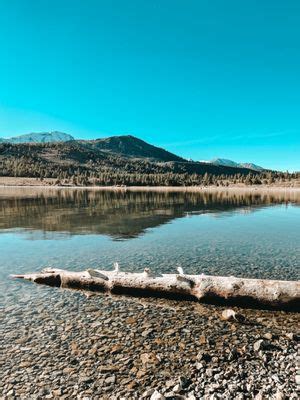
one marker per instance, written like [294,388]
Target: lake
[247,234]
[70,345]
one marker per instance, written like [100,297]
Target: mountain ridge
[39,137]
[128,147]
[230,163]
[60,158]
[132,147]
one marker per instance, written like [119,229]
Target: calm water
[254,235]
[251,235]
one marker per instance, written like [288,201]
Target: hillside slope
[88,157]
[133,147]
[119,160]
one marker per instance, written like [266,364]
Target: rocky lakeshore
[60,344]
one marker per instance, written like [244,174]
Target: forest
[75,163]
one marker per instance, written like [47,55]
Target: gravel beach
[60,344]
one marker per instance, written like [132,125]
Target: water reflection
[120,214]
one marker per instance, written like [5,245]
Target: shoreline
[88,345]
[11,182]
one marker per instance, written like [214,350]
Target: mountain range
[40,137]
[114,153]
[229,163]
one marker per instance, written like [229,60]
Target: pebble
[228,315]
[70,346]
[177,388]
[157,396]
[202,339]
[268,336]
[258,345]
[110,380]
[290,336]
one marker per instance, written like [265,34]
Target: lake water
[60,341]
[248,234]
[224,233]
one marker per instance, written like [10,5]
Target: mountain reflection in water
[121,214]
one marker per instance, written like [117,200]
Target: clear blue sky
[202,78]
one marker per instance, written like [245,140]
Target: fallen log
[251,293]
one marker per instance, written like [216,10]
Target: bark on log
[252,293]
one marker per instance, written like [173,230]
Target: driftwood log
[252,293]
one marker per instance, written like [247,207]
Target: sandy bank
[50,183]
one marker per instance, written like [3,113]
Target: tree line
[130,175]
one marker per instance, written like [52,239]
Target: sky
[202,78]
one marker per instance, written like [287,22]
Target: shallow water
[242,234]
[48,331]
[249,234]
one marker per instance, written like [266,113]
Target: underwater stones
[156,395]
[290,335]
[268,336]
[258,345]
[147,393]
[233,355]
[203,356]
[61,368]
[111,380]
[202,339]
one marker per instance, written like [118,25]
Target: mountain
[114,155]
[42,137]
[252,166]
[127,146]
[224,162]
[132,147]
[116,160]
[229,163]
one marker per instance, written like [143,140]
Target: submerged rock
[157,396]
[258,345]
